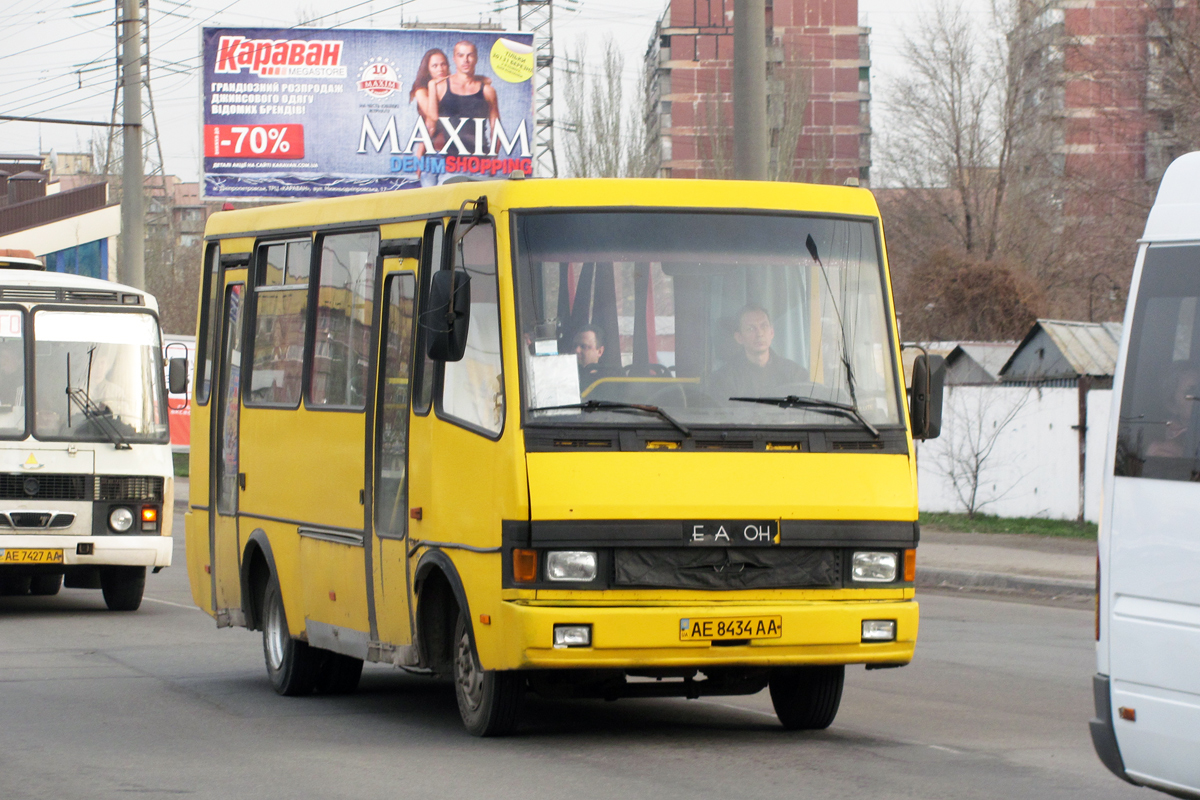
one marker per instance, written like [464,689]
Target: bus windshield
[722,319]
[1157,434]
[98,377]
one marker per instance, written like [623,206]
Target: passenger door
[226,477]
[389,507]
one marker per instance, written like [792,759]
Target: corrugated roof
[1089,347]
[991,356]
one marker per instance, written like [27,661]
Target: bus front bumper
[127,551]
[650,636]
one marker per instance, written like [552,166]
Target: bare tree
[976,419]
[606,137]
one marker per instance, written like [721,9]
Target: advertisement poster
[307,112]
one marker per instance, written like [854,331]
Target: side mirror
[925,402]
[446,319]
[177,376]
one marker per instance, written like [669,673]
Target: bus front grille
[18,486]
[129,487]
[727,568]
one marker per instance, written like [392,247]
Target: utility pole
[132,270]
[750,155]
[537,17]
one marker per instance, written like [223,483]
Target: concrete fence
[1016,451]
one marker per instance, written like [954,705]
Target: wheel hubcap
[275,634]
[468,675]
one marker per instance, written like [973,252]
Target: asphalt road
[160,703]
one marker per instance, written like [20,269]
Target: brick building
[818,105]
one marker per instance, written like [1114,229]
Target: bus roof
[1176,212]
[504,194]
[26,278]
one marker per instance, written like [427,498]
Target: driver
[589,349]
[758,371]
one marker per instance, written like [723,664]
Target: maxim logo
[280,58]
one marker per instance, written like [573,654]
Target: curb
[966,579]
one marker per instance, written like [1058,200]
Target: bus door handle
[242,480]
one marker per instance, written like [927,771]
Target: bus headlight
[872,567]
[120,519]
[879,630]
[577,566]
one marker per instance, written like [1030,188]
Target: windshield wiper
[609,405]
[99,414]
[813,404]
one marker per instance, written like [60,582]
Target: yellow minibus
[583,438]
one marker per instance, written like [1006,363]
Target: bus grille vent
[856,445]
[27,294]
[85,296]
[129,487]
[15,486]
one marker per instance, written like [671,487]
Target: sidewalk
[1009,563]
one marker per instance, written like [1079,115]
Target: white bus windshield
[718,319]
[1159,431]
[12,373]
[98,377]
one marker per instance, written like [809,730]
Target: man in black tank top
[463,98]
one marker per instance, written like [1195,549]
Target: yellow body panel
[690,485]
[308,466]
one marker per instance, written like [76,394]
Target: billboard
[308,112]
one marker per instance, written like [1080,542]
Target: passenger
[760,371]
[589,348]
[1181,391]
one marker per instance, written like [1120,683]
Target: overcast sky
[57,56]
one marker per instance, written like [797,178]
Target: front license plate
[716,628]
[15,555]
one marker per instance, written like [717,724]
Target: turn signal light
[149,518]
[524,565]
[910,565]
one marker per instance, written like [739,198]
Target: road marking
[945,749]
[169,603]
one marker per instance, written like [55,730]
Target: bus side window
[473,388]
[209,319]
[280,314]
[391,485]
[426,367]
[342,334]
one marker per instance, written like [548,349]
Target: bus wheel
[45,584]
[489,701]
[291,664]
[807,698]
[337,673]
[123,587]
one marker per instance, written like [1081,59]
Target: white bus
[86,479]
[1147,690]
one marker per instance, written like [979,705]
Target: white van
[1147,690]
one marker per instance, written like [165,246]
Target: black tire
[807,698]
[489,701]
[291,664]
[123,587]
[14,585]
[337,673]
[45,585]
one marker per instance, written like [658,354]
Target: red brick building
[1111,128]
[818,105]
